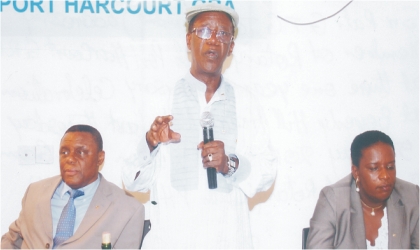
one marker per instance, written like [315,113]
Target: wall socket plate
[26,155]
[44,154]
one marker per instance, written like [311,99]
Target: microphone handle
[212,178]
[211,137]
[211,172]
[205,135]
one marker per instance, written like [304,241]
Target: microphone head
[207,120]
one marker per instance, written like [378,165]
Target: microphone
[207,122]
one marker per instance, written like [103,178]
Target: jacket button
[47,245]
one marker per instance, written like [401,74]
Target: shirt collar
[200,87]
[63,188]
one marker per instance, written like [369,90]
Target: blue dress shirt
[61,197]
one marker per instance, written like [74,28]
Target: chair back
[146,228]
[305,232]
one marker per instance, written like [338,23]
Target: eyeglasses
[205,33]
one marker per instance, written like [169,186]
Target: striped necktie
[65,225]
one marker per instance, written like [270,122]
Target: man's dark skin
[208,56]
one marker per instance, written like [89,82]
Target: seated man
[72,210]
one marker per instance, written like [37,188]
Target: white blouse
[382,241]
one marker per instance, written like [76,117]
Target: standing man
[172,157]
[72,210]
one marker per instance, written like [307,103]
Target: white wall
[320,85]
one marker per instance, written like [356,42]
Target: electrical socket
[26,155]
[44,154]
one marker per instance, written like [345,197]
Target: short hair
[191,23]
[88,129]
[365,140]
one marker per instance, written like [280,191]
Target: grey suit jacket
[338,217]
[110,210]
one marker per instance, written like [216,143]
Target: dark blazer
[338,217]
[110,210]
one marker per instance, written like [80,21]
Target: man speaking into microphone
[185,209]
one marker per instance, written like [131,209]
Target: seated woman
[370,208]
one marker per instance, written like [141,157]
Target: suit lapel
[396,220]
[97,208]
[44,205]
[356,218]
